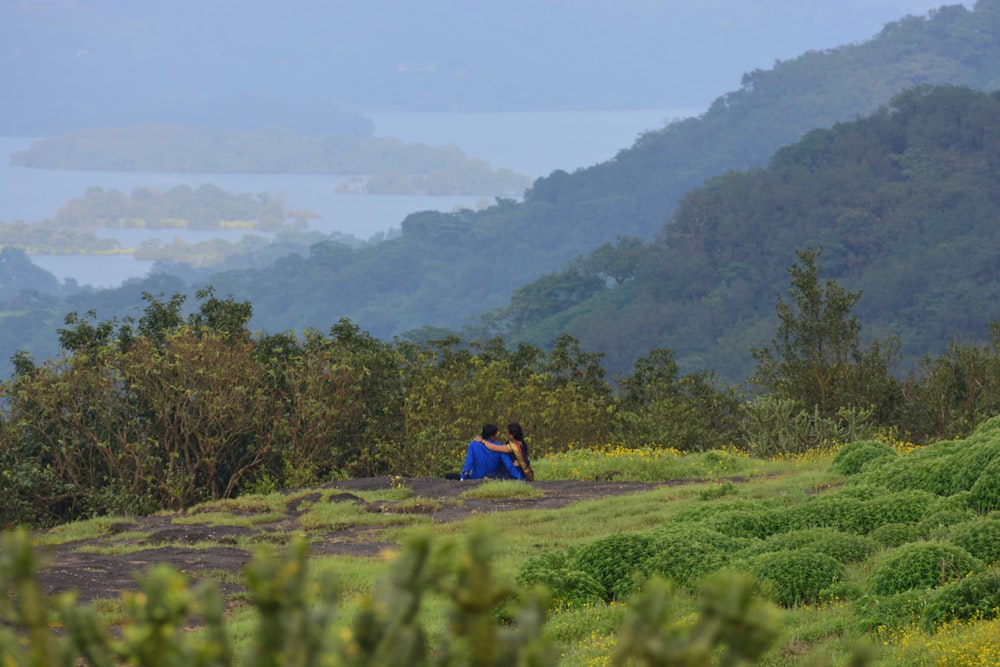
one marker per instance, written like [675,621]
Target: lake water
[532,143]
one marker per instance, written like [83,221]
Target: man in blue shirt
[481,462]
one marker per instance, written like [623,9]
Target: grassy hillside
[872,549]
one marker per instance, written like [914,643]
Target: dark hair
[489,430]
[515,431]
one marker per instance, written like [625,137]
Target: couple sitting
[488,458]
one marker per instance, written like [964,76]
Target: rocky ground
[100,575]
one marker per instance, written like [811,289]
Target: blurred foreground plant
[299,623]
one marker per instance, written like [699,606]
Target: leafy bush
[937,525]
[986,490]
[840,591]
[686,554]
[797,576]
[921,565]
[958,501]
[948,467]
[891,611]
[830,510]
[854,456]
[746,523]
[703,512]
[980,537]
[843,547]
[974,597]
[614,562]
[894,534]
[568,587]
[900,507]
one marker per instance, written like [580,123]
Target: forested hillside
[904,204]
[446,269]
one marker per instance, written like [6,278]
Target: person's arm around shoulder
[503,449]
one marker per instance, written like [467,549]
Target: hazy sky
[88,62]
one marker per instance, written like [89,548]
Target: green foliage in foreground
[300,626]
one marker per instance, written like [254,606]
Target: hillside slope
[447,267]
[904,204]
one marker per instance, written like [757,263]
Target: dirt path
[97,575]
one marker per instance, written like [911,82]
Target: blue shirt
[481,462]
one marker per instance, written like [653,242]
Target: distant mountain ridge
[445,267]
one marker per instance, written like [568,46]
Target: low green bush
[975,597]
[843,547]
[899,507]
[980,537]
[746,523]
[855,455]
[957,501]
[686,554]
[938,525]
[568,587]
[830,510]
[986,490]
[712,507]
[947,467]
[614,562]
[901,610]
[840,591]
[921,565]
[797,576]
[894,534]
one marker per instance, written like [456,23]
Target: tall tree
[816,358]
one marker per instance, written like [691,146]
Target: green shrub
[854,456]
[746,523]
[975,597]
[797,576]
[946,468]
[894,534]
[957,501]
[899,507]
[921,565]
[980,537]
[832,510]
[840,591]
[842,547]
[937,525]
[687,554]
[614,562]
[568,587]
[891,611]
[702,512]
[986,490]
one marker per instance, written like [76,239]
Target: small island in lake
[381,165]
